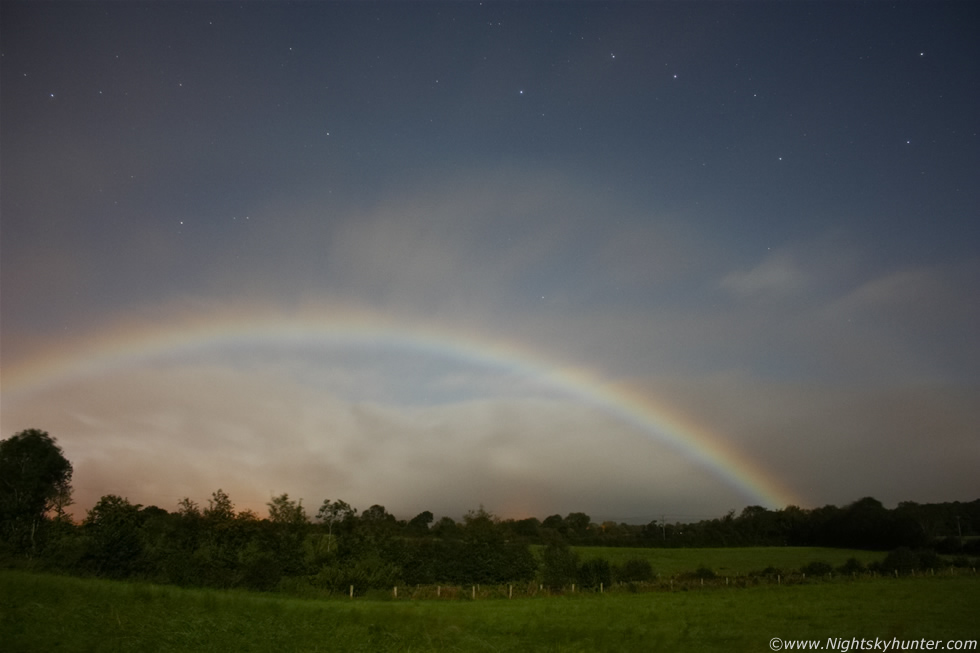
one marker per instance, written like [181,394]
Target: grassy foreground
[52,613]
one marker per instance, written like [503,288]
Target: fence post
[474,591]
[438,591]
[396,592]
[352,591]
[510,591]
[601,590]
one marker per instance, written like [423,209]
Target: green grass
[51,613]
[728,561]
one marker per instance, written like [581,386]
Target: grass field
[51,613]
[728,561]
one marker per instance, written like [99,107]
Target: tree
[220,508]
[559,565]
[577,524]
[283,510]
[419,524]
[289,522]
[114,526]
[377,522]
[332,513]
[35,478]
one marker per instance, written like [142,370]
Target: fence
[679,583]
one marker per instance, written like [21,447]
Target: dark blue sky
[727,200]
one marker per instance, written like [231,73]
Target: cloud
[157,435]
[775,277]
[833,444]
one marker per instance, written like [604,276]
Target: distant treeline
[338,547]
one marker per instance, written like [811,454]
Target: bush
[559,565]
[903,560]
[816,568]
[703,572]
[633,571]
[768,571]
[930,560]
[369,572]
[594,572]
[852,566]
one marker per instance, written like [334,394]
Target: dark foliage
[35,479]
[817,568]
[635,570]
[218,547]
[595,573]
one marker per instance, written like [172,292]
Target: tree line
[215,545]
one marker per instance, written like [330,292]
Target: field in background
[45,613]
[728,561]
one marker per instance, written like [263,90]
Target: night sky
[633,259]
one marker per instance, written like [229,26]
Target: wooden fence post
[352,591]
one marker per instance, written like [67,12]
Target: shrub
[903,560]
[704,572]
[633,570]
[816,568]
[594,572]
[930,560]
[559,565]
[852,566]
[768,571]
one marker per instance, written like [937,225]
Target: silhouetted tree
[113,524]
[35,478]
[419,524]
[333,513]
